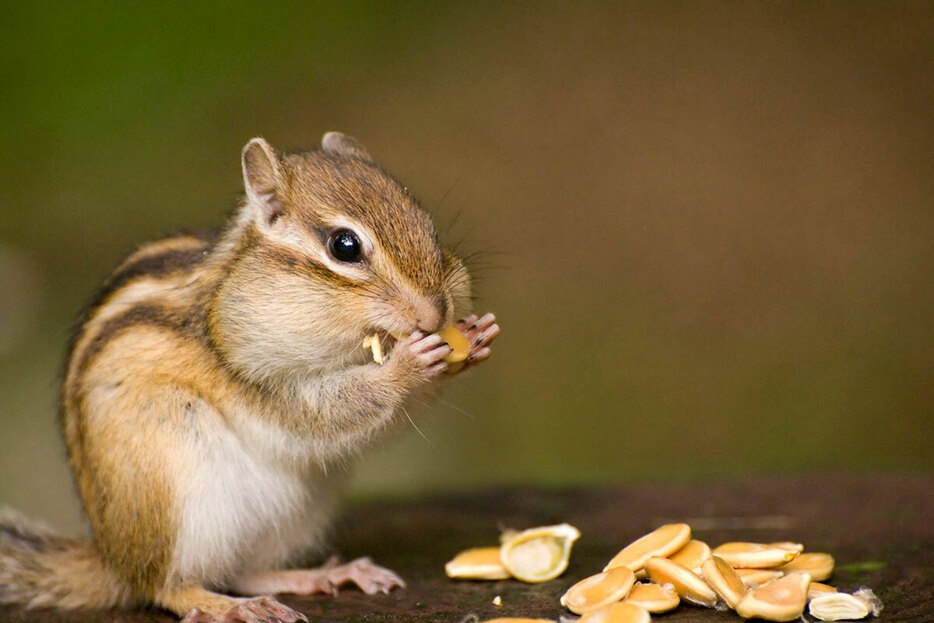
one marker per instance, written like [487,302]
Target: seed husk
[599,590]
[688,584]
[838,606]
[478,563]
[692,555]
[816,589]
[818,565]
[617,613]
[754,555]
[653,597]
[376,348]
[781,600]
[539,554]
[753,578]
[460,345]
[663,541]
[723,579]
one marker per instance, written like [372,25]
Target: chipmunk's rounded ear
[343,145]
[261,177]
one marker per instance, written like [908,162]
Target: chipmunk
[217,383]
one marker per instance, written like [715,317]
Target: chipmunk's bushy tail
[39,569]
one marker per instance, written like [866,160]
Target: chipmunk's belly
[243,509]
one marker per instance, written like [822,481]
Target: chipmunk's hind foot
[254,610]
[369,577]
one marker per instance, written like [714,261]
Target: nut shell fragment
[539,554]
[663,541]
[692,555]
[687,583]
[376,348]
[818,565]
[653,597]
[617,613]
[781,600]
[599,590]
[723,579]
[754,555]
[838,606]
[478,563]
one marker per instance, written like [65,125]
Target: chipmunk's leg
[198,605]
[370,578]
[480,332]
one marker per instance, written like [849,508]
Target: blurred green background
[707,228]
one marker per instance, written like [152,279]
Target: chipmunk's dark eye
[345,246]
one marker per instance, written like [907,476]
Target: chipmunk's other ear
[261,178]
[342,145]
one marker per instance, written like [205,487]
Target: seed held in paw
[460,347]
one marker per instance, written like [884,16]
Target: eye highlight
[345,246]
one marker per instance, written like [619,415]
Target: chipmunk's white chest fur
[248,503]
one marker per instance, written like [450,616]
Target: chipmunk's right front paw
[423,354]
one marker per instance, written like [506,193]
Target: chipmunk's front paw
[423,354]
[480,332]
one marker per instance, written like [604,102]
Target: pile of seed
[771,581]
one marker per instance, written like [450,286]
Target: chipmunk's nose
[429,315]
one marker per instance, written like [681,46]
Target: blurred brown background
[707,228]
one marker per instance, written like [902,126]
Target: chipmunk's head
[332,249]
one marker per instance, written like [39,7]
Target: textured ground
[880,530]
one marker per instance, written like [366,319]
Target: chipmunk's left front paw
[480,332]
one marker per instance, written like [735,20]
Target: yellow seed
[653,597]
[818,565]
[754,555]
[692,555]
[539,554]
[757,577]
[478,563]
[781,600]
[617,613]
[516,620]
[663,541]
[839,606]
[816,589]
[599,590]
[723,579]
[498,601]
[687,583]
[459,344]
[791,545]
